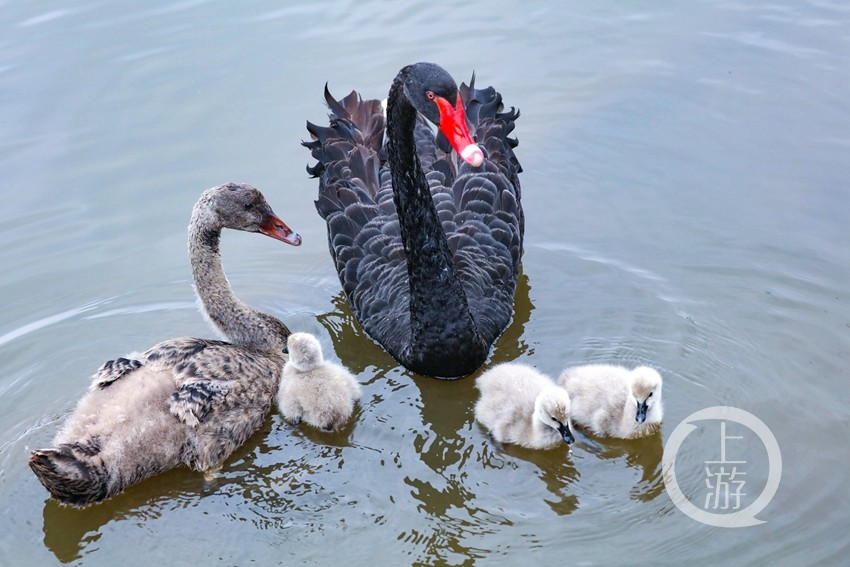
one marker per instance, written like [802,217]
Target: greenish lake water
[686,201]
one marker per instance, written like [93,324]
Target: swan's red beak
[277,229]
[453,126]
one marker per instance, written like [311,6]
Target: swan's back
[602,402]
[506,403]
[479,210]
[129,417]
[597,385]
[313,390]
[184,401]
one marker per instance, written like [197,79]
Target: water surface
[686,201]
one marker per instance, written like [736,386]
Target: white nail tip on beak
[472,155]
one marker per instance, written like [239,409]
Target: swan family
[425,230]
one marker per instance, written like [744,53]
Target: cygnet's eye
[649,396]
[249,206]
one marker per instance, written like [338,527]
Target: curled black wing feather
[479,209]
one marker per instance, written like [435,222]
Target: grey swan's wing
[113,370]
[213,377]
[478,207]
[224,392]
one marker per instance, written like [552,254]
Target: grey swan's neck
[239,323]
[436,294]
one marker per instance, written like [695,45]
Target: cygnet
[522,406]
[613,401]
[320,393]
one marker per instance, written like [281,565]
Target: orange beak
[277,229]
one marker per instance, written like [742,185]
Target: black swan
[184,401]
[427,242]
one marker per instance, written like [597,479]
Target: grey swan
[426,241]
[184,401]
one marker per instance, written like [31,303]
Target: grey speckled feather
[184,401]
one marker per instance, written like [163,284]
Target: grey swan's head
[239,206]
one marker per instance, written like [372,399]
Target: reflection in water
[445,499]
[274,486]
[554,467]
[70,532]
[353,347]
[643,454]
[510,345]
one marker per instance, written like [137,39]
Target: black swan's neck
[239,323]
[443,332]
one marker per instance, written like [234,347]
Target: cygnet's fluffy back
[321,393]
[522,406]
[613,401]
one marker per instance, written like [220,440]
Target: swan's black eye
[430,95]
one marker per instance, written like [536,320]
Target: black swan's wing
[356,201]
[481,213]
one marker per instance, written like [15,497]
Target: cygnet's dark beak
[277,229]
[565,432]
[641,412]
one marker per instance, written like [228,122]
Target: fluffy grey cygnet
[184,401]
[613,401]
[522,406]
[320,393]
